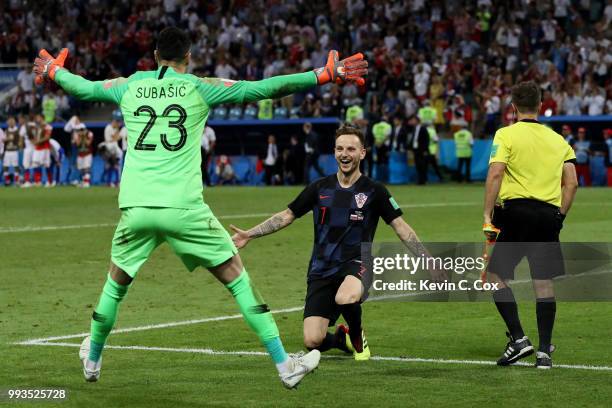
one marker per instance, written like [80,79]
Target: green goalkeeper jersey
[165,113]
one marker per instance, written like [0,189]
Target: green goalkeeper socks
[104,316]
[257,315]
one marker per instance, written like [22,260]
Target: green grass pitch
[55,246]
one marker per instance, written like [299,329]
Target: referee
[531,171]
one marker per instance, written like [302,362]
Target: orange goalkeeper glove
[351,69]
[45,66]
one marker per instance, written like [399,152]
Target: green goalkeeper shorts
[195,235]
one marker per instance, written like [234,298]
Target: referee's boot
[358,344]
[515,350]
[543,360]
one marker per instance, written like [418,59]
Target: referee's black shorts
[321,292]
[529,228]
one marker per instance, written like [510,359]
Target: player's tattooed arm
[410,239]
[275,223]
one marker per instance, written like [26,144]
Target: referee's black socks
[506,305]
[546,308]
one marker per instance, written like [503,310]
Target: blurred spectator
[224,171]
[271,162]
[207,149]
[382,142]
[83,140]
[265,109]
[293,161]
[440,50]
[57,161]
[463,150]
[225,70]
[310,108]
[594,102]
[427,115]
[419,144]
[492,107]
[25,79]
[549,106]
[350,95]
[111,152]
[566,131]
[62,105]
[601,148]
[458,114]
[49,107]
[399,135]
[354,114]
[391,104]
[311,149]
[572,104]
[329,105]
[410,105]
[608,141]
[421,82]
[582,147]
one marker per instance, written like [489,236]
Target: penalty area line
[32,228]
[286,310]
[154,326]
[209,351]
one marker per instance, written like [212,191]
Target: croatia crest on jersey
[360,199]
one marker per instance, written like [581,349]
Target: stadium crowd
[449,64]
[459,56]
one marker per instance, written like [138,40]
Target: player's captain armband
[494,149]
[394,203]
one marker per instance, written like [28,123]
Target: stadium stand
[460,57]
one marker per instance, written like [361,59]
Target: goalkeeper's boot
[301,364]
[342,339]
[91,369]
[543,360]
[515,350]
[361,350]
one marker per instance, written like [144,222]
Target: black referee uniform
[530,222]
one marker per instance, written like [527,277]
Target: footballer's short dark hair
[173,44]
[348,129]
[526,96]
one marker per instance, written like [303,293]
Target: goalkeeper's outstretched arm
[217,91]
[47,67]
[275,223]
[96,91]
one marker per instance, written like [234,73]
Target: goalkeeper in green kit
[161,189]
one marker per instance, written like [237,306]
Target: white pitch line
[8,230]
[209,351]
[154,326]
[33,228]
[286,310]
